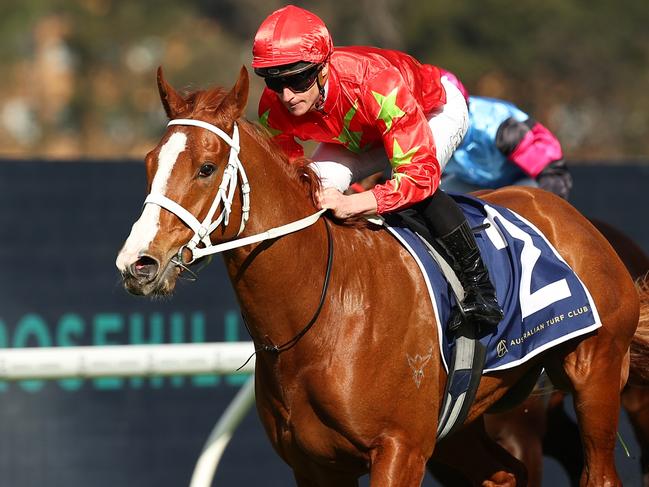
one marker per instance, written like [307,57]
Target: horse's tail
[639,374]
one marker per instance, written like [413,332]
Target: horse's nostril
[145,268]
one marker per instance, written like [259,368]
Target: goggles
[297,83]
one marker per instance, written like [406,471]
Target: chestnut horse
[334,387]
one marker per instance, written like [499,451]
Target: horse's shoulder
[374,243]
[365,234]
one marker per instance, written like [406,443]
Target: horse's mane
[200,102]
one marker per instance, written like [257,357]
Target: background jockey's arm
[533,148]
[529,145]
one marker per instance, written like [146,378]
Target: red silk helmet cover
[289,35]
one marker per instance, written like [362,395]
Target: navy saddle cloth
[544,301]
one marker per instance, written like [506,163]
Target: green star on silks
[399,158]
[264,121]
[351,140]
[389,108]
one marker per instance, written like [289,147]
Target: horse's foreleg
[470,452]
[520,431]
[396,464]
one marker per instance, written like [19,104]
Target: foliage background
[78,76]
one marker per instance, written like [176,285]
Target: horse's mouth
[163,284]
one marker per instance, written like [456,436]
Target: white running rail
[222,434]
[146,360]
[125,360]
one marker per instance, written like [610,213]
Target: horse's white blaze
[145,229]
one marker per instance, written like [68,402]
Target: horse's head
[197,187]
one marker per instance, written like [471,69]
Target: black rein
[277,349]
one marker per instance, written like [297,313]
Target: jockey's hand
[347,206]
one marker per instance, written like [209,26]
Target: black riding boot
[479,304]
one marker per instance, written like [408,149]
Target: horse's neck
[277,280]
[278,283]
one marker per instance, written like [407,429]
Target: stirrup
[458,318]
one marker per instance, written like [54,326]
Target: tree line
[79,76]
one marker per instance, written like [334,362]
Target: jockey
[370,108]
[505,146]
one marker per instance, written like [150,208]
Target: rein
[277,349]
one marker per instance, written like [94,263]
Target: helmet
[289,41]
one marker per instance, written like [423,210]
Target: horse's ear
[237,98]
[172,101]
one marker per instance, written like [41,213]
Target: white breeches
[338,167]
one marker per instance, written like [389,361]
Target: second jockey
[370,108]
[505,146]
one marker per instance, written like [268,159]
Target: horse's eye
[206,170]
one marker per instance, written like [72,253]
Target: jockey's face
[299,103]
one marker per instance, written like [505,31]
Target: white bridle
[224,196]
